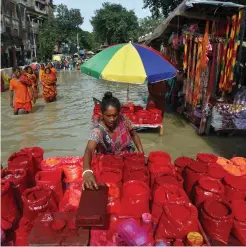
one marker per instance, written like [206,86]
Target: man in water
[20,98]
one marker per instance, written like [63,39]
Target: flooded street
[62,127]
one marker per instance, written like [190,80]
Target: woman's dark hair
[47,69]
[28,67]
[109,100]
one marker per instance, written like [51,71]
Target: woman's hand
[89,181]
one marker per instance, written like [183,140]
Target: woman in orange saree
[51,67]
[32,77]
[49,85]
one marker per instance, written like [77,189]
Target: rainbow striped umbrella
[129,63]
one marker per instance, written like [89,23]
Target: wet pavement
[62,127]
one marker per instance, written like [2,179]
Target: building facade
[20,20]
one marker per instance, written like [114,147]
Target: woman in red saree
[33,79]
[49,85]
[51,67]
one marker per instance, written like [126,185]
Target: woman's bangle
[87,171]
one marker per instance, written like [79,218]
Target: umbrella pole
[127,94]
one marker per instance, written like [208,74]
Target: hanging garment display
[185,61]
[205,46]
[187,96]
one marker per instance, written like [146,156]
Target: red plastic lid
[183,161]
[239,209]
[206,158]
[57,224]
[211,185]
[198,167]
[167,180]
[236,182]
[217,208]
[216,171]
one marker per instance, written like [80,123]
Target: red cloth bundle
[113,206]
[143,116]
[174,179]
[51,180]
[37,154]
[72,168]
[111,175]
[18,181]
[208,188]
[217,219]
[51,164]
[239,224]
[111,161]
[206,158]
[235,187]
[192,174]
[216,171]
[35,201]
[136,173]
[181,162]
[71,198]
[9,210]
[177,220]
[164,194]
[22,160]
[135,199]
[134,159]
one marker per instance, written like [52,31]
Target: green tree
[148,24]
[164,7]
[115,24]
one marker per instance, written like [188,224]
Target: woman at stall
[114,134]
[48,80]
[157,94]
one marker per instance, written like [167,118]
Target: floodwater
[62,127]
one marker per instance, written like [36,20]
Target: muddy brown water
[62,127]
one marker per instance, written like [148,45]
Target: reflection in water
[62,127]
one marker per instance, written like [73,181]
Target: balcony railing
[43,11]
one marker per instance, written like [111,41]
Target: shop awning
[189,10]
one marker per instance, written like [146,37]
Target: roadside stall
[132,64]
[197,201]
[202,38]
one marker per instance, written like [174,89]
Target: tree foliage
[148,24]
[115,24]
[164,7]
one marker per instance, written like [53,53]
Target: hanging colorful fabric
[189,70]
[205,47]
[185,51]
[212,73]
[198,72]
[193,71]
[223,60]
[234,53]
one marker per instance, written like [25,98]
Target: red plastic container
[51,180]
[164,194]
[136,173]
[135,199]
[159,157]
[239,224]
[208,188]
[177,220]
[235,187]
[18,181]
[181,162]
[206,158]
[174,179]
[111,161]
[35,201]
[9,210]
[37,154]
[22,160]
[51,164]
[192,174]
[217,219]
